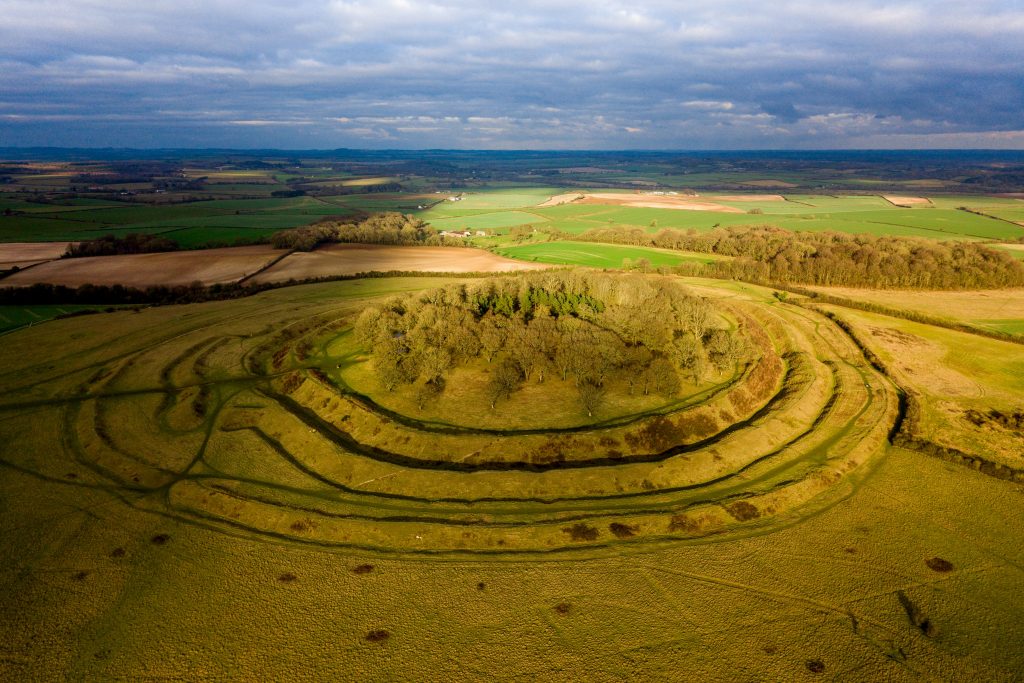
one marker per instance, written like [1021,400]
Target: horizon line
[559,150]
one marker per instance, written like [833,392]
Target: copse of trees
[770,254]
[111,245]
[305,238]
[383,228]
[592,329]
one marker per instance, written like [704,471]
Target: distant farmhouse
[462,233]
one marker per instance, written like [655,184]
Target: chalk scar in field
[383,476]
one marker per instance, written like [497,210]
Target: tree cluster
[771,254]
[111,245]
[593,329]
[383,228]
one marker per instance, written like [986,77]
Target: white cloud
[607,73]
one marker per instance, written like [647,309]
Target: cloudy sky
[596,74]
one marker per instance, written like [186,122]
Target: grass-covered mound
[590,337]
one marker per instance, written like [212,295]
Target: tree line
[770,254]
[593,329]
[384,228]
[112,245]
[390,228]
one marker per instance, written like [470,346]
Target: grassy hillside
[176,479]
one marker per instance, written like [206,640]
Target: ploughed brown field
[749,197]
[349,259]
[655,201]
[210,266]
[24,254]
[684,203]
[231,264]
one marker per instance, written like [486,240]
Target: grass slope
[104,581]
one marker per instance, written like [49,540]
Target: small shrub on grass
[622,530]
[378,636]
[743,511]
[581,532]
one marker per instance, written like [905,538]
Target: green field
[208,202]
[207,222]
[870,214]
[595,255]
[511,198]
[487,221]
[14,317]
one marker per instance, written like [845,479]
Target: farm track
[321,486]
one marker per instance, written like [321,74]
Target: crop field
[222,202]
[598,255]
[210,266]
[216,222]
[22,254]
[935,218]
[349,259]
[216,467]
[512,198]
[498,210]
[260,264]
[486,221]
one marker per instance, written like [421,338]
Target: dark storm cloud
[605,74]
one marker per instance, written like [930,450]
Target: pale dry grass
[951,373]
[994,304]
[919,361]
